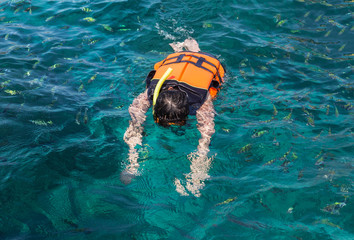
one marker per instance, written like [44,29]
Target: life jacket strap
[199,63]
[180,57]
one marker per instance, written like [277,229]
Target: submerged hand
[193,185]
[126,177]
[200,165]
[131,170]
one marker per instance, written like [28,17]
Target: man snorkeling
[182,84]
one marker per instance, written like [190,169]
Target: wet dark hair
[171,108]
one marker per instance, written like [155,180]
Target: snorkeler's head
[171,108]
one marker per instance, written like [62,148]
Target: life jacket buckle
[200,62]
[180,57]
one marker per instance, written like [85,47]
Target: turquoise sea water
[283,147]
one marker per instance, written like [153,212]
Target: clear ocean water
[283,148]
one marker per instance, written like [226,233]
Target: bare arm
[205,117]
[133,135]
[200,163]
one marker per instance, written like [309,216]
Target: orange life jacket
[194,73]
